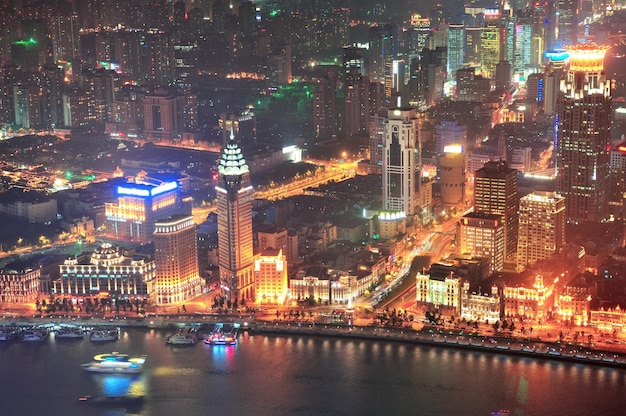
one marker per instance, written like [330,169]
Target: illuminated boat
[223,335]
[115,363]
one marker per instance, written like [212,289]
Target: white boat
[115,363]
[183,337]
[34,335]
[70,332]
[103,335]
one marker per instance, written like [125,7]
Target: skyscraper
[482,235]
[401,161]
[176,257]
[541,227]
[584,137]
[234,225]
[496,193]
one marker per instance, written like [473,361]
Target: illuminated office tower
[270,277]
[541,227]
[584,135]
[490,47]
[523,48]
[452,175]
[176,258]
[472,46]
[419,31]
[495,192]
[138,206]
[456,48]
[234,225]
[401,161]
[383,41]
[567,21]
[482,235]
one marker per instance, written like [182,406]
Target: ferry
[115,363]
[34,334]
[223,334]
[183,337]
[103,335]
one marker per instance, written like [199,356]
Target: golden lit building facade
[531,300]
[234,224]
[19,285]
[495,192]
[481,307]
[489,49]
[176,257]
[439,292]
[609,319]
[108,272]
[541,227]
[270,277]
[482,235]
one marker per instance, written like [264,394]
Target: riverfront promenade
[435,336]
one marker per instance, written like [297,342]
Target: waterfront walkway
[614,355]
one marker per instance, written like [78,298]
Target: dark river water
[298,375]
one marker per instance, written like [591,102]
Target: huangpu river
[301,375]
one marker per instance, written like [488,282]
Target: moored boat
[9,333]
[69,332]
[183,337]
[103,335]
[34,334]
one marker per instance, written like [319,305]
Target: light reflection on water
[305,376]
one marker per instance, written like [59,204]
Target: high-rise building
[138,206]
[356,104]
[482,235]
[584,134]
[270,277]
[176,258]
[234,225]
[326,119]
[383,41]
[452,175]
[456,48]
[401,161]
[541,227]
[163,115]
[432,75]
[617,194]
[490,49]
[495,192]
